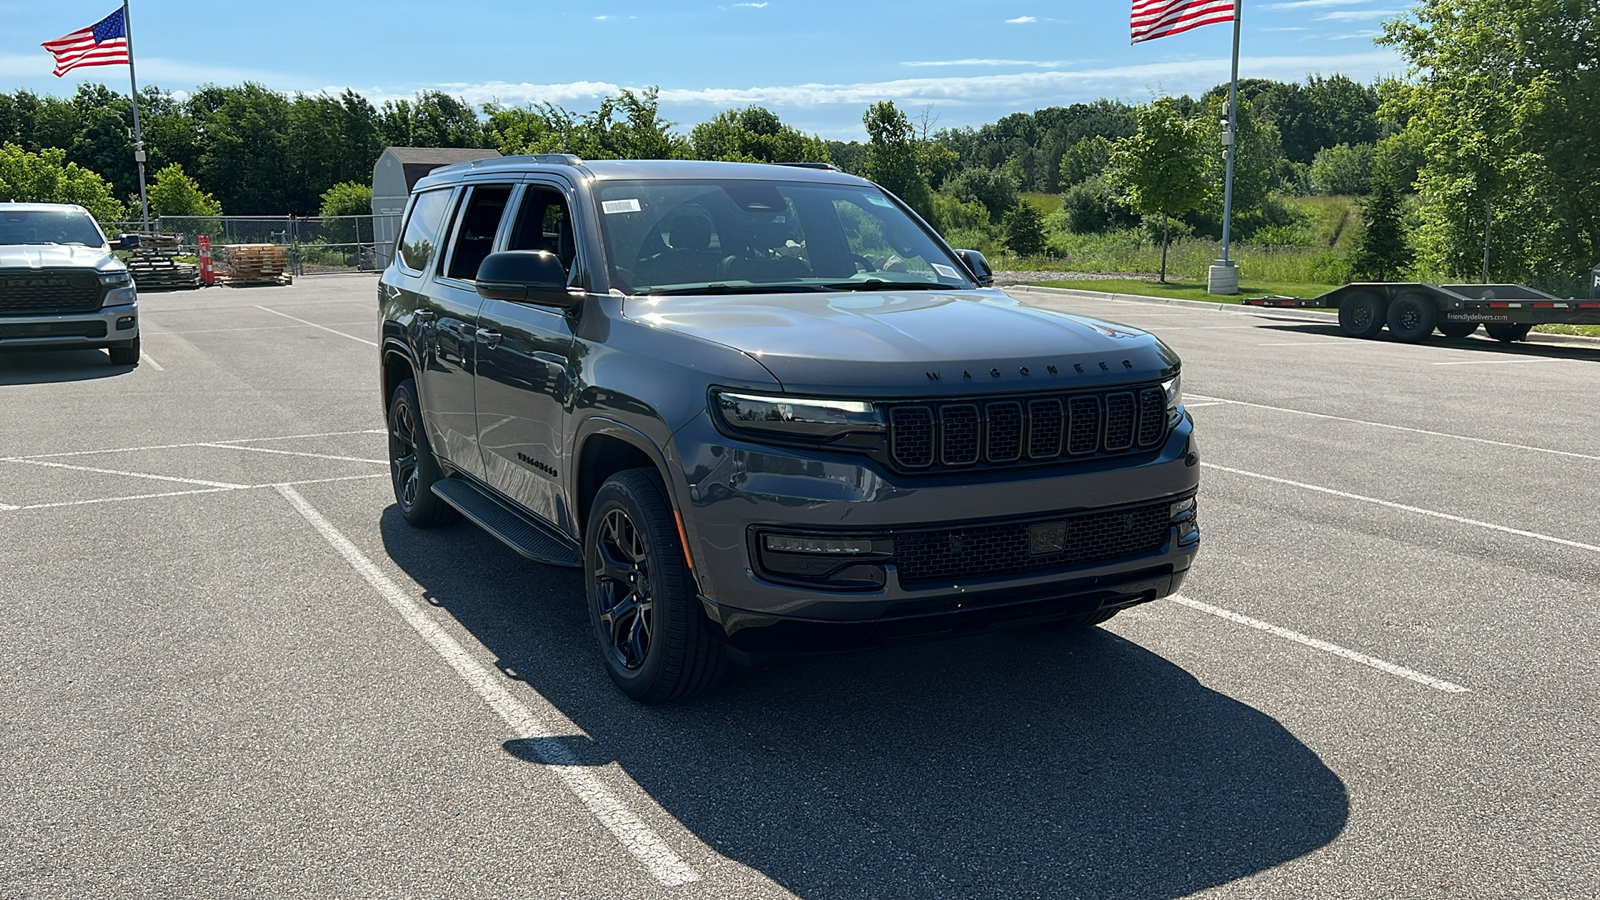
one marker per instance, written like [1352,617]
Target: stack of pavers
[155,265]
[256,264]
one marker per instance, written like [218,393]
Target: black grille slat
[978,551]
[1083,425]
[959,432]
[1152,416]
[1003,421]
[1044,429]
[1121,410]
[48,292]
[911,436]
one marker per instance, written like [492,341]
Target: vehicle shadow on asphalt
[1476,342]
[56,366]
[1020,763]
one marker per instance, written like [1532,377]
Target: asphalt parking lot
[228,669]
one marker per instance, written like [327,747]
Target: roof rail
[829,167]
[557,159]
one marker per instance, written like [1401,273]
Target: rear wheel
[1361,314]
[1412,317]
[1507,332]
[412,467]
[125,354]
[1457,329]
[654,639]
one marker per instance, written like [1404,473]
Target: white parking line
[1438,684]
[1500,362]
[1422,431]
[360,459]
[255,440]
[323,327]
[151,362]
[1461,520]
[218,490]
[55,465]
[637,837]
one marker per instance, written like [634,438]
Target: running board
[518,531]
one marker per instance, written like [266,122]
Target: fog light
[787,543]
[1183,509]
[124,323]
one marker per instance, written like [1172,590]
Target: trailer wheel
[1457,329]
[1508,332]
[1411,317]
[1361,314]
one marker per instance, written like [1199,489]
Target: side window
[882,241]
[481,212]
[421,236]
[544,224]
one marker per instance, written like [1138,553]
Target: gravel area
[1007,279]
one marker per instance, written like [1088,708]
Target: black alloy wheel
[1361,314]
[412,468]
[1457,329]
[645,613]
[1412,317]
[1508,332]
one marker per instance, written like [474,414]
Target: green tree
[1342,169]
[754,134]
[1257,164]
[1381,252]
[1504,108]
[349,198]
[1024,228]
[892,157]
[996,189]
[1084,160]
[245,155]
[1161,169]
[47,177]
[174,193]
[433,119]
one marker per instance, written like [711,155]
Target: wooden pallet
[154,265]
[247,264]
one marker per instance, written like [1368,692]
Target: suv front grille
[974,552]
[48,293]
[958,433]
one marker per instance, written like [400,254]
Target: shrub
[1091,207]
[1024,229]
[996,189]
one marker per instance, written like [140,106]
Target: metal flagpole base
[1222,278]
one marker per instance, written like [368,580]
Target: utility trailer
[1412,310]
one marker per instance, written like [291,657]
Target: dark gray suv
[767,410]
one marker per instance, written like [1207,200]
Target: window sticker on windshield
[612,207]
[880,201]
[945,271]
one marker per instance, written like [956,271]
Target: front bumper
[104,327]
[735,493]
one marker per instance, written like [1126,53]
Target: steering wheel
[865,264]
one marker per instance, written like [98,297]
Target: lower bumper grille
[95,329]
[1005,549]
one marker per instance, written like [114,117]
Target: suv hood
[53,256]
[913,343]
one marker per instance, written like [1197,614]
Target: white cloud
[750,5]
[609,18]
[1357,34]
[1308,4]
[1026,63]
[1022,20]
[153,70]
[1286,28]
[1353,15]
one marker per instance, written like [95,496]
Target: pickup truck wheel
[412,468]
[1079,623]
[1457,329]
[1506,332]
[125,354]
[1412,317]
[645,614]
[1361,314]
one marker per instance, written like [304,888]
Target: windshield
[731,236]
[49,226]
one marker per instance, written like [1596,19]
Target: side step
[522,534]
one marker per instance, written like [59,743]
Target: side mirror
[126,242]
[525,276]
[982,272]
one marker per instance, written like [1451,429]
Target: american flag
[105,43]
[1158,18]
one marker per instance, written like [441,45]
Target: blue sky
[817,63]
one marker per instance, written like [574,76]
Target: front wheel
[412,467]
[1507,332]
[643,608]
[125,354]
[1361,314]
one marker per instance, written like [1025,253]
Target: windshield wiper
[878,284]
[719,288]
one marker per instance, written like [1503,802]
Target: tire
[1507,333]
[125,354]
[1457,329]
[1361,314]
[1412,317]
[412,466]
[1081,623]
[643,610]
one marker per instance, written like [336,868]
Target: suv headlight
[1173,388]
[796,418]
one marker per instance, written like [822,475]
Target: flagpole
[138,136]
[1230,144]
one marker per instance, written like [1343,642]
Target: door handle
[491,338]
[425,315]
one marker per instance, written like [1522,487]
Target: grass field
[1192,290]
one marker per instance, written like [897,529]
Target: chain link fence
[317,245]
